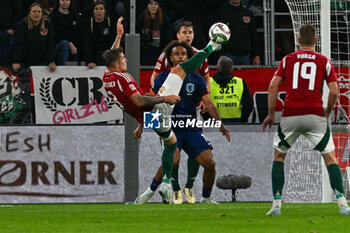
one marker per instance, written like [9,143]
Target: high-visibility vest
[227,99]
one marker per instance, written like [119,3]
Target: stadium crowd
[54,32]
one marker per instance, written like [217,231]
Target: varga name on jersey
[109,84]
[306,56]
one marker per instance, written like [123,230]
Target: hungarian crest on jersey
[246,19]
[44,31]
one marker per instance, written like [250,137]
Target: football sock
[167,162]
[196,60]
[336,179]
[277,203]
[175,178]
[206,192]
[342,201]
[192,171]
[277,175]
[154,185]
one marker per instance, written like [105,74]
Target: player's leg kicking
[173,85]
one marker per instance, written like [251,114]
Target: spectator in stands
[67,26]
[230,94]
[34,42]
[155,30]
[10,13]
[184,33]
[243,44]
[99,33]
[172,9]
[47,6]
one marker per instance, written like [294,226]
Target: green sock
[336,179]
[196,60]
[277,175]
[175,178]
[167,162]
[192,171]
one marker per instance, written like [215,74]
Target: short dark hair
[100,2]
[307,34]
[71,7]
[183,24]
[174,44]
[111,56]
[225,64]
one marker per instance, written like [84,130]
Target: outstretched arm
[120,32]
[140,100]
[213,112]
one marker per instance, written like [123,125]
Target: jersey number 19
[306,71]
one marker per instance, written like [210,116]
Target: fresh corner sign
[59,164]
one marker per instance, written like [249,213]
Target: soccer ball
[220,32]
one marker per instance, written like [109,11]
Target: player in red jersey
[184,33]
[126,94]
[303,73]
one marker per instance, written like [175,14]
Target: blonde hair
[30,22]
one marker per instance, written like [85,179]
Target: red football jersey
[303,72]
[120,87]
[163,65]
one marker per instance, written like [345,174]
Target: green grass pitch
[226,217]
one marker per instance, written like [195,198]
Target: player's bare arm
[213,112]
[140,100]
[153,77]
[120,32]
[138,132]
[332,97]
[256,60]
[207,81]
[272,98]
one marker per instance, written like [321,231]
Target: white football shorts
[312,127]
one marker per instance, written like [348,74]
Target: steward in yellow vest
[230,93]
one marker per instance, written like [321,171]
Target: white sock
[150,190]
[171,86]
[342,201]
[277,204]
